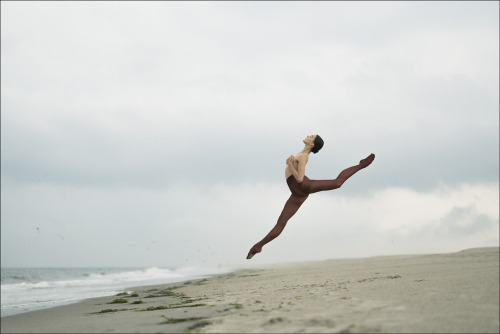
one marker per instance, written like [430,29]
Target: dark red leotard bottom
[300,192]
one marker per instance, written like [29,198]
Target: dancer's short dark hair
[318,144]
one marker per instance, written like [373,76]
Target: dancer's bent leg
[291,206]
[313,186]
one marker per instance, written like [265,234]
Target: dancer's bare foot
[255,249]
[367,161]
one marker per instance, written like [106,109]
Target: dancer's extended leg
[306,187]
[313,186]
[291,206]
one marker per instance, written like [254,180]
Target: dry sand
[446,293]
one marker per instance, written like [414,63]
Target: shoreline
[455,292]
[52,287]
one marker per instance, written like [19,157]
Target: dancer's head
[315,142]
[318,144]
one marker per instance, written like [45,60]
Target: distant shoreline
[455,292]
[29,289]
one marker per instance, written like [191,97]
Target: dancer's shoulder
[301,156]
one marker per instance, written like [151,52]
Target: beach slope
[438,293]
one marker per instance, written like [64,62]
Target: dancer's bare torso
[296,159]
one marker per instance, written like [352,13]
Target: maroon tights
[300,192]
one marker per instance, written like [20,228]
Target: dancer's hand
[254,250]
[290,160]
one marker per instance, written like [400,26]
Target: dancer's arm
[298,173]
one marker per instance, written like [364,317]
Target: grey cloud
[462,221]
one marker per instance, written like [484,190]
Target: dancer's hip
[295,187]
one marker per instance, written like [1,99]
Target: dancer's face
[309,140]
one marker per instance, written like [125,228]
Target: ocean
[28,289]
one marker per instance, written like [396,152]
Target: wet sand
[438,293]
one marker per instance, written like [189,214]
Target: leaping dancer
[301,186]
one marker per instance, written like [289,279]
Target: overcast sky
[156,133]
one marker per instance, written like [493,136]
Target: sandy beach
[445,293]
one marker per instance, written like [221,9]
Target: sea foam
[27,289]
